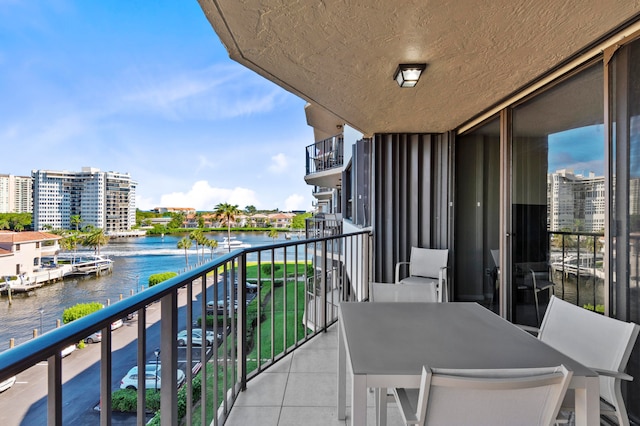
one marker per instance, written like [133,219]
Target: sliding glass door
[557,192]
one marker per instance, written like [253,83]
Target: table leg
[588,403]
[342,376]
[359,400]
[381,406]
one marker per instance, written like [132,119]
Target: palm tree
[226,213]
[75,220]
[273,234]
[96,239]
[212,244]
[185,243]
[70,243]
[196,236]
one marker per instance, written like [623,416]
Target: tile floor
[300,390]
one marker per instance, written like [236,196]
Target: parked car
[219,306]
[7,383]
[117,324]
[94,337]
[66,351]
[196,337]
[130,380]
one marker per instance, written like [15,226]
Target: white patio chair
[427,266]
[537,278]
[530,396]
[384,292]
[601,343]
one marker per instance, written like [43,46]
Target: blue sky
[580,149]
[146,88]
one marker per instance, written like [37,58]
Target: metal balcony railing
[323,225]
[324,155]
[290,292]
[576,261]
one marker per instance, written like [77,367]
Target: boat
[232,244]
[85,264]
[19,284]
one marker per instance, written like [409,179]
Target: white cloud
[216,92]
[295,202]
[202,196]
[278,164]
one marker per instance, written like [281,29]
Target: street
[26,402]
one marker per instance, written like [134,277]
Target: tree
[177,220]
[75,220]
[196,237]
[70,243]
[250,209]
[273,234]
[212,244]
[298,221]
[4,224]
[185,243]
[96,239]
[226,213]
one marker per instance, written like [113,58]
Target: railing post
[141,360]
[54,390]
[105,377]
[242,320]
[169,359]
[323,285]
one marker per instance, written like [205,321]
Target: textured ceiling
[340,55]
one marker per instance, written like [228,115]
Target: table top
[399,338]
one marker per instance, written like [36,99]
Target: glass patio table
[385,345]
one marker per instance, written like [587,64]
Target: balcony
[324,160]
[322,193]
[254,340]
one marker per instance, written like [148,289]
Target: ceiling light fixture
[407,75]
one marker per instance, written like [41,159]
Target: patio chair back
[383,292]
[427,266]
[530,396]
[601,343]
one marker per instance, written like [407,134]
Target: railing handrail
[25,355]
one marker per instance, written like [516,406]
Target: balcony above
[324,160]
[322,193]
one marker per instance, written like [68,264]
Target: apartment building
[104,200]
[16,194]
[576,202]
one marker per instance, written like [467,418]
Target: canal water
[135,259]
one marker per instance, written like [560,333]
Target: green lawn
[274,317]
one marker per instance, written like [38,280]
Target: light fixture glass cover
[407,75]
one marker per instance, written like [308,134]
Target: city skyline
[147,89]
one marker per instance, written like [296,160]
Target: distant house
[20,252]
[185,210]
[281,220]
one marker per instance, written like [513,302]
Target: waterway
[135,259]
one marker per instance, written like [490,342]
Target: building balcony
[280,310]
[324,161]
[322,193]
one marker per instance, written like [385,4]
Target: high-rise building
[576,202]
[16,194]
[104,200]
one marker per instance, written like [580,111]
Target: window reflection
[558,196]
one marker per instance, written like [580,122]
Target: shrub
[266,268]
[599,308]
[126,400]
[160,277]
[80,310]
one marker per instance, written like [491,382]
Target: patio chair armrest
[614,374]
[398,270]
